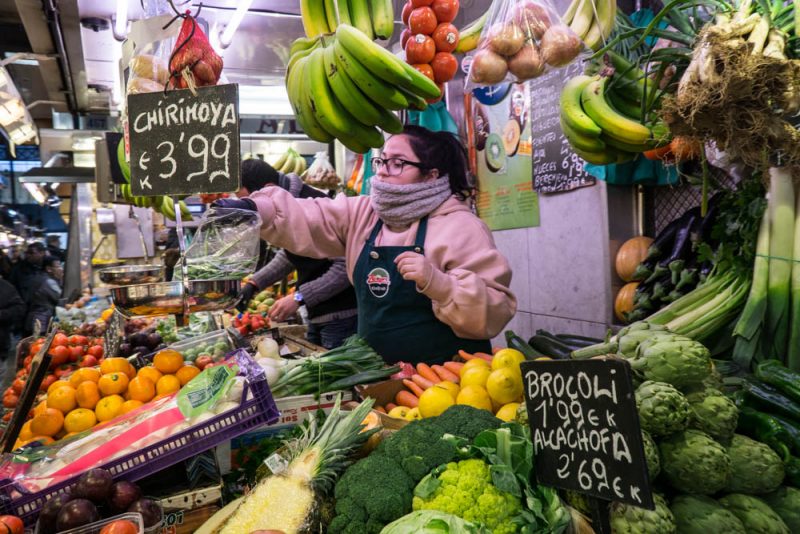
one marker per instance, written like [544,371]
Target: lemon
[475,396]
[477,362]
[434,401]
[505,385]
[508,412]
[451,387]
[413,414]
[507,358]
[399,412]
[477,376]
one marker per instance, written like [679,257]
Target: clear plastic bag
[321,173]
[225,245]
[522,39]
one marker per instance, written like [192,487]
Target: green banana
[281,161]
[382,18]
[627,147]
[300,54]
[331,14]
[580,141]
[301,43]
[582,22]
[363,109]
[314,20]
[382,93]
[299,165]
[359,16]
[296,88]
[125,189]
[597,158]
[415,102]
[613,123]
[344,12]
[168,207]
[186,215]
[571,110]
[374,57]
[627,107]
[569,14]
[603,24]
[420,84]
[389,122]
[471,35]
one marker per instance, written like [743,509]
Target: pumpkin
[630,255]
[624,302]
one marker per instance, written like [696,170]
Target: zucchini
[769,399]
[364,377]
[513,341]
[545,345]
[776,374]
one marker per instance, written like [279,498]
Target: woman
[44,296]
[428,278]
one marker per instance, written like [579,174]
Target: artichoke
[755,467]
[756,516]
[674,359]
[694,463]
[663,410]
[696,514]
[651,456]
[713,413]
[522,414]
[628,343]
[785,502]
[629,519]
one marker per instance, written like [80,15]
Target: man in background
[30,267]
[54,247]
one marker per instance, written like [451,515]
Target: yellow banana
[383,94]
[613,123]
[344,12]
[580,141]
[301,43]
[297,56]
[382,18]
[603,24]
[296,83]
[569,14]
[471,35]
[359,16]
[281,161]
[168,208]
[331,15]
[363,109]
[583,19]
[571,111]
[374,57]
[186,215]
[314,19]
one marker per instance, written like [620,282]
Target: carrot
[380,409]
[425,371]
[454,367]
[390,406]
[415,389]
[659,154]
[444,374]
[407,399]
[466,356]
[484,356]
[421,381]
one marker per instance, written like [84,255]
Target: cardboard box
[185,512]
[383,392]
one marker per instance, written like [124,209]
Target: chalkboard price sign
[183,143]
[585,429]
[556,168]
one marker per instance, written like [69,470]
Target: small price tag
[276,463]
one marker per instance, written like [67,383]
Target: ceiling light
[121,21]
[227,35]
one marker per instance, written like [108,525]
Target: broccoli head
[466,421]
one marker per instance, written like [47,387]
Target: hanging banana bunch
[374,18]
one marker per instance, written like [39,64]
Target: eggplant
[644,270]
[682,246]
[704,231]
[662,287]
[663,240]
[687,279]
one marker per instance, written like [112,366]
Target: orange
[168,384]
[84,374]
[25,432]
[142,389]
[57,384]
[131,371]
[79,419]
[168,361]
[40,408]
[87,395]
[161,396]
[114,365]
[113,383]
[129,406]
[150,372]
[186,373]
[47,424]
[109,407]
[62,399]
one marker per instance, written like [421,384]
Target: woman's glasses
[394,166]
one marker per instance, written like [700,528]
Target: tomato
[404,37]
[407,9]
[421,3]
[47,382]
[22,372]
[203,361]
[445,10]
[10,401]
[120,526]
[35,346]
[424,68]
[27,362]
[18,385]
[87,361]
[420,49]
[8,415]
[446,37]
[444,66]
[60,354]
[422,20]
[14,524]
[60,340]
[96,351]
[63,369]
[75,353]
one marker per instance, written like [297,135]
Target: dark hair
[257,173]
[49,261]
[37,246]
[446,153]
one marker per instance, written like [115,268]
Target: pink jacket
[469,291]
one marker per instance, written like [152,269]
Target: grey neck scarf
[401,205]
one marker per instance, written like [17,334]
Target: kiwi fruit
[495,153]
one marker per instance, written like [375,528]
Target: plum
[49,513]
[76,513]
[122,495]
[151,511]
[95,485]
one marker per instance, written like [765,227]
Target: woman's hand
[416,267]
[283,309]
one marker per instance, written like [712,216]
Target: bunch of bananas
[375,18]
[290,163]
[345,86]
[163,204]
[603,124]
[591,20]
[470,36]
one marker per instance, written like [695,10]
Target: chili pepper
[776,374]
[766,429]
[765,397]
[793,429]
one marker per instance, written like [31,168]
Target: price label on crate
[585,429]
[182,143]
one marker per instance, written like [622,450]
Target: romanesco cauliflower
[465,489]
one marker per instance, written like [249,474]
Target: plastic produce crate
[257,408]
[189,344]
[97,526]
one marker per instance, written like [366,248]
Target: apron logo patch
[378,282]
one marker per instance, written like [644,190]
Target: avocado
[495,153]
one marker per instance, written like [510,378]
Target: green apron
[396,319]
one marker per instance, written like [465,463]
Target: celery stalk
[793,353]
[781,249]
[753,314]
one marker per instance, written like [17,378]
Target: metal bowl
[146,300]
[132,275]
[212,295]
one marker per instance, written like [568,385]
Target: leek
[793,351]
[781,249]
